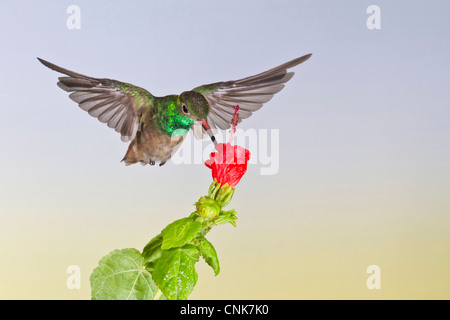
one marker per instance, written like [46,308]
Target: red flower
[228,164]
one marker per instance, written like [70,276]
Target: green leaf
[226,217]
[152,252]
[180,232]
[208,253]
[175,272]
[121,275]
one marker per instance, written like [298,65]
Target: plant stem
[157,294]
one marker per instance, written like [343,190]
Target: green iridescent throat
[169,118]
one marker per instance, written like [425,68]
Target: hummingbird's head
[194,104]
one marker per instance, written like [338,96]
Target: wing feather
[110,101]
[249,93]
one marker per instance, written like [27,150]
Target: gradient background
[364,146]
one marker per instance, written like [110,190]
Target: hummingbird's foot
[162,163]
[152,163]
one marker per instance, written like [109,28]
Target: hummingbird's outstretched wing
[115,103]
[249,93]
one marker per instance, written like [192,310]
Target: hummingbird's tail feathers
[115,103]
[249,93]
[130,157]
[129,162]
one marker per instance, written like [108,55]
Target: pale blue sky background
[364,133]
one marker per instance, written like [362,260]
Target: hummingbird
[157,126]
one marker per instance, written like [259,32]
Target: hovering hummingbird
[156,126]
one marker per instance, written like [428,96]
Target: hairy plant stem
[157,294]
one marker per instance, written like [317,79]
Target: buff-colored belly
[151,147]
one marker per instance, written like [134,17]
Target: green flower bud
[223,197]
[222,193]
[207,207]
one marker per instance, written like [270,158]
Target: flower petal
[228,164]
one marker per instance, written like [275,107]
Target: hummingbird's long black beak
[207,128]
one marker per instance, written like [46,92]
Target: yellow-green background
[364,146]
